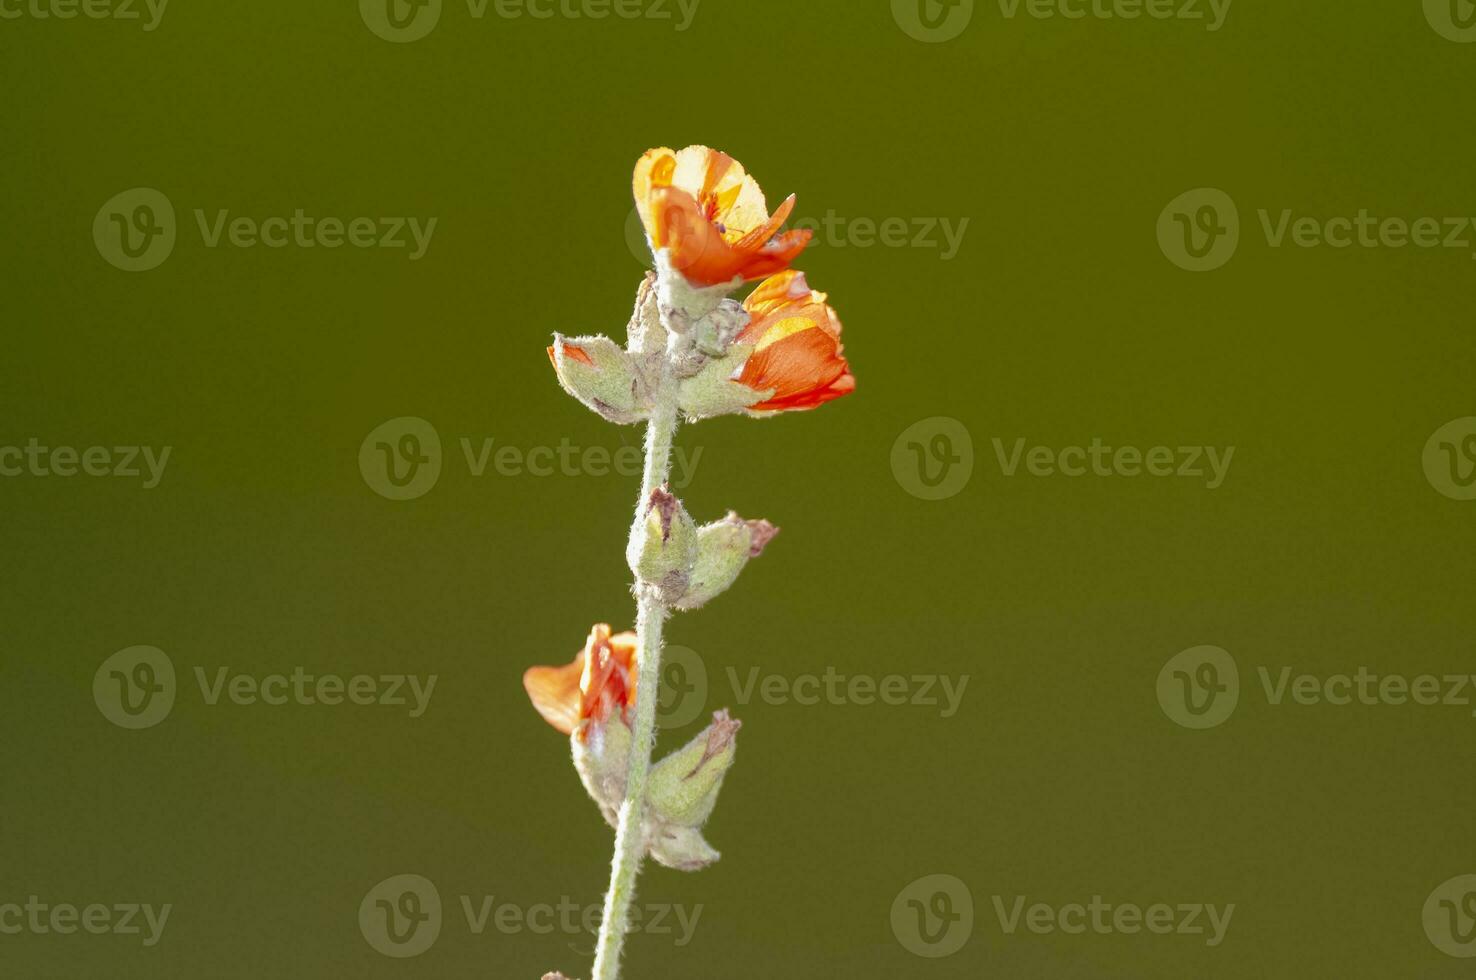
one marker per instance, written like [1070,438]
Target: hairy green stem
[630,843]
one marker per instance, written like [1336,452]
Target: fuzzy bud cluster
[680,796]
[685,566]
[620,383]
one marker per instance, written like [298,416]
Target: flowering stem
[630,843]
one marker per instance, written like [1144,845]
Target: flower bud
[606,379]
[723,549]
[681,848]
[589,700]
[715,332]
[798,359]
[682,792]
[646,333]
[663,546]
[684,786]
[602,758]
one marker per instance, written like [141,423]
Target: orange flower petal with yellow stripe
[703,207]
[797,354]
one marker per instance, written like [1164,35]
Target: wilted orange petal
[600,680]
[554,692]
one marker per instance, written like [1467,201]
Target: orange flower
[601,679]
[703,206]
[797,346]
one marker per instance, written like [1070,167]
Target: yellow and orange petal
[704,207]
[600,680]
[797,346]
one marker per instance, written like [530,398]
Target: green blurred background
[1058,320]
